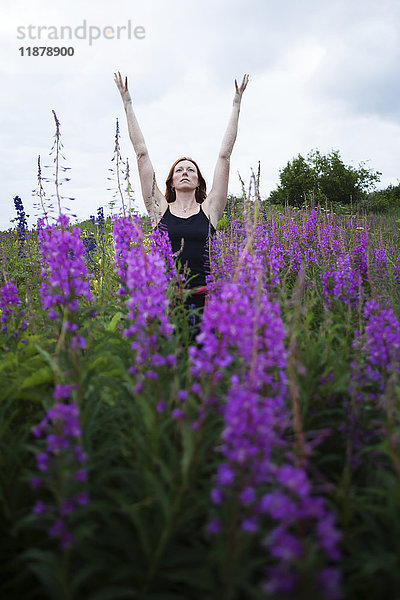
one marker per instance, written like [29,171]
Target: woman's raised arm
[153,198]
[216,200]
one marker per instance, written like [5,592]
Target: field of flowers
[255,455]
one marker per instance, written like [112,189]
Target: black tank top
[195,231]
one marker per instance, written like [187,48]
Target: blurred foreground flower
[61,471]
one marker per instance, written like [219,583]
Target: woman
[178,211]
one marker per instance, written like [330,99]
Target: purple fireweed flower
[214,526]
[248,495]
[380,260]
[42,461]
[40,508]
[216,496]
[293,479]
[234,318]
[196,388]
[225,475]
[126,234]
[78,341]
[56,443]
[60,464]
[35,482]
[67,507]
[8,297]
[374,372]
[82,498]
[161,406]
[63,267]
[66,539]
[159,241]
[249,524]
[279,581]
[57,529]
[328,536]
[377,352]
[382,337]
[81,475]
[182,395]
[12,316]
[359,252]
[330,582]
[283,545]
[241,324]
[151,375]
[62,391]
[79,454]
[396,271]
[279,506]
[158,360]
[143,274]
[177,413]
[343,283]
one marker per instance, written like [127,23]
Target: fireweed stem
[56,174]
[117,151]
[166,534]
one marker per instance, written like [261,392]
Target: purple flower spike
[182,395]
[177,413]
[64,271]
[241,321]
[250,524]
[82,498]
[61,392]
[67,507]
[10,308]
[42,461]
[40,508]
[81,475]
[330,582]
[35,483]
[214,526]
[78,342]
[225,476]
[144,273]
[58,529]
[61,465]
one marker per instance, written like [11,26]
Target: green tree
[381,201]
[323,178]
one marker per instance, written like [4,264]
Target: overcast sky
[323,74]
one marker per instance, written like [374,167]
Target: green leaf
[188,448]
[49,359]
[40,377]
[114,593]
[112,326]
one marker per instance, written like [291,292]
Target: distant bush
[324,178]
[381,201]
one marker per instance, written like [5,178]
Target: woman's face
[185,176]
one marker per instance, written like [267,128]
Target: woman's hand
[239,90]
[123,88]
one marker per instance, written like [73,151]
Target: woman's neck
[185,202]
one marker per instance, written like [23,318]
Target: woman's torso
[195,231]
